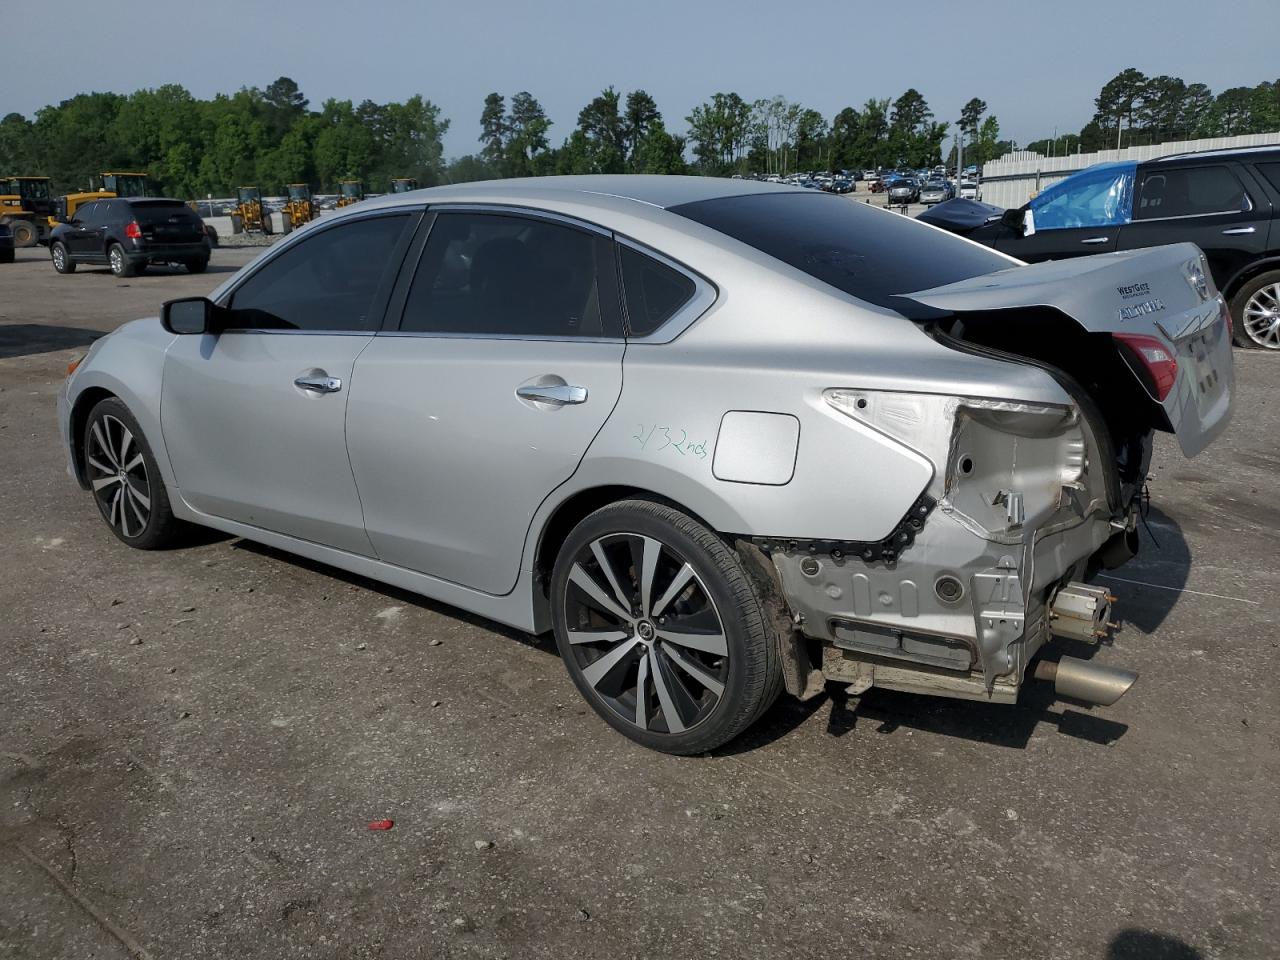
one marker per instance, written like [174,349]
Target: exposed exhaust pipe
[1090,682]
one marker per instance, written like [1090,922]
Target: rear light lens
[1156,357]
[133,231]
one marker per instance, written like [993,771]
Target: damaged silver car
[722,437]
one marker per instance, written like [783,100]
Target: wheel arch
[79,419]
[575,508]
[1242,276]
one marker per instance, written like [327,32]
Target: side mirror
[1019,219]
[189,315]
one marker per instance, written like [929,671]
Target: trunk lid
[1162,294]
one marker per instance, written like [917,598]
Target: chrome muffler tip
[1090,682]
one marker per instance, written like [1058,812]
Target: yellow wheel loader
[349,192]
[300,208]
[403,184]
[26,207]
[249,215]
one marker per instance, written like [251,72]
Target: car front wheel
[126,484]
[62,261]
[661,629]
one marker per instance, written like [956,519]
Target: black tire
[25,233]
[1266,288]
[267,229]
[7,255]
[61,258]
[198,265]
[286,224]
[119,262]
[717,594]
[119,476]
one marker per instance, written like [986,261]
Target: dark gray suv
[128,234]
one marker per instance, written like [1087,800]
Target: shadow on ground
[26,339]
[1148,945]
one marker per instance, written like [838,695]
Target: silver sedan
[725,438]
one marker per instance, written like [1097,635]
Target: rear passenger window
[325,282]
[495,275]
[653,292]
[1189,192]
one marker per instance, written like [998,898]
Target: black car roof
[1242,153]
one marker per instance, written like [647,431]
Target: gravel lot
[192,744]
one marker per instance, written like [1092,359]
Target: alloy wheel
[59,257]
[1262,317]
[117,261]
[118,476]
[644,633]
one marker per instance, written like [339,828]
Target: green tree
[495,130]
[283,106]
[639,118]
[1119,100]
[720,132]
[527,145]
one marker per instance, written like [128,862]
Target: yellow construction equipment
[403,184]
[110,185]
[350,191]
[300,209]
[248,215]
[26,207]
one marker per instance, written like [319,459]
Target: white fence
[1016,177]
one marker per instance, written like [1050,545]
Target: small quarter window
[653,292]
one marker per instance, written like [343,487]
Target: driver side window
[326,282]
[1101,198]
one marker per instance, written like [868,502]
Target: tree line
[1134,110]
[271,137]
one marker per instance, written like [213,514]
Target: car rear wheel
[126,484]
[1256,311]
[197,265]
[661,629]
[118,262]
[62,261]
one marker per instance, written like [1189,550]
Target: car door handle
[319,384]
[1237,231]
[561,393]
[1097,240]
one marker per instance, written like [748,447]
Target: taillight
[1159,360]
[133,231]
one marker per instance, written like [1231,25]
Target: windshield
[299,193]
[351,189]
[1101,196]
[33,189]
[248,194]
[125,184]
[868,253]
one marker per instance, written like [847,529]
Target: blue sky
[1037,65]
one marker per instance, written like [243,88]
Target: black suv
[1225,201]
[129,233]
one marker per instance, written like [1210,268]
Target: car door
[254,418]
[1075,217]
[83,235]
[504,362]
[1208,205]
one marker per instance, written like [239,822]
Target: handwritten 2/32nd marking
[654,438]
